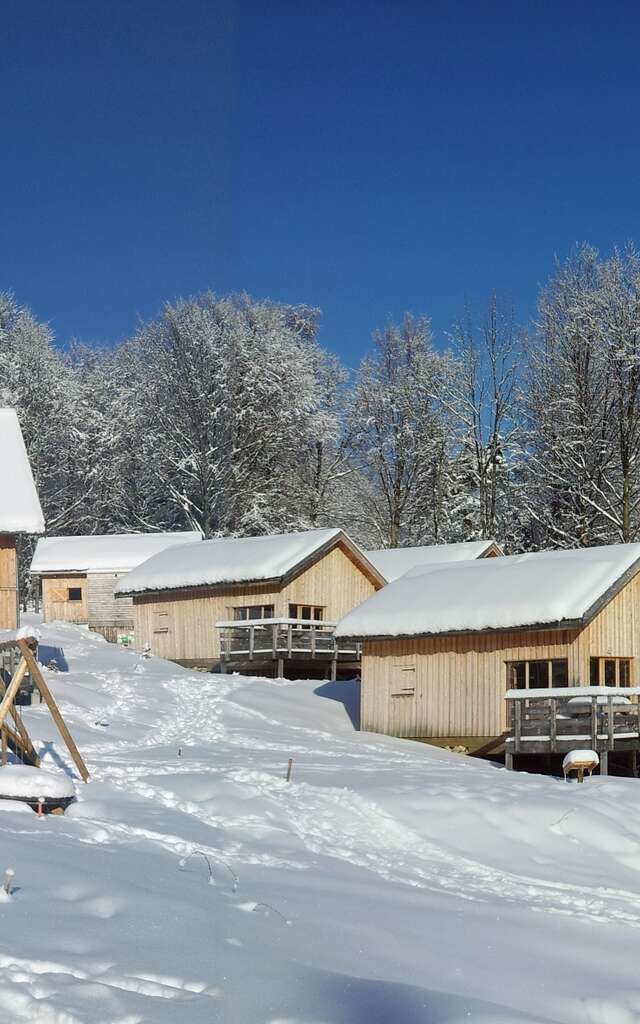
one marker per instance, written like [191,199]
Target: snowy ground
[388,883]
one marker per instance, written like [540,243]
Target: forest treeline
[227,415]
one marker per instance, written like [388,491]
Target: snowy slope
[492,593]
[20,510]
[388,883]
[104,553]
[395,562]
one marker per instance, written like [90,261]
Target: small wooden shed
[395,562]
[78,576]
[302,582]
[20,512]
[442,645]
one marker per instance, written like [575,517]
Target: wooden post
[280,668]
[274,639]
[4,744]
[47,696]
[553,725]
[594,723]
[289,639]
[313,641]
[508,760]
[12,688]
[517,708]
[604,762]
[334,668]
[610,722]
[251,641]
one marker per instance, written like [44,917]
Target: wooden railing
[251,639]
[555,721]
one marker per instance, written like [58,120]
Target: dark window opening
[610,671]
[75,593]
[253,611]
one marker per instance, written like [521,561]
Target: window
[306,611]
[403,680]
[253,611]
[75,594]
[538,674]
[610,671]
[161,622]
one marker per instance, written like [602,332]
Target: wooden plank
[518,725]
[13,687]
[594,723]
[3,730]
[553,724]
[47,696]
[610,722]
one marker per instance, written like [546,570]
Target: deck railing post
[518,725]
[553,725]
[594,723]
[274,639]
[313,641]
[610,722]
[252,634]
[289,639]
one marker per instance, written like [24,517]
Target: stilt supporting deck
[280,668]
[508,761]
[604,762]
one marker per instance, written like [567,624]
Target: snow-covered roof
[115,552]
[395,562]
[516,591]
[230,560]
[20,510]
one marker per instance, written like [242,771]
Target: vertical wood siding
[8,583]
[181,626]
[55,606]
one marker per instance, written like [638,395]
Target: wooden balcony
[555,721]
[284,640]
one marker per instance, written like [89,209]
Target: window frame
[618,661]
[513,667]
[75,600]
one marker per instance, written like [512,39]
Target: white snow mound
[27,783]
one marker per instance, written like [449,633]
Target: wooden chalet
[20,512]
[527,654]
[263,605]
[78,576]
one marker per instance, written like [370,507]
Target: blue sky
[366,158]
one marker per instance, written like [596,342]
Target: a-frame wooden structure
[14,736]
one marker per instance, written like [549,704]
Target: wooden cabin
[395,562]
[209,602]
[20,512]
[78,576]
[442,645]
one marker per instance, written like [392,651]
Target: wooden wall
[103,606]
[181,626]
[8,583]
[56,606]
[460,681]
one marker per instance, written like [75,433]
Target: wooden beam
[25,739]
[47,696]
[13,686]
[4,744]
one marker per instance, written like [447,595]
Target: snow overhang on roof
[20,510]
[117,552]
[556,589]
[395,562]
[236,560]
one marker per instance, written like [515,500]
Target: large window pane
[609,672]
[560,672]
[594,671]
[538,674]
[625,672]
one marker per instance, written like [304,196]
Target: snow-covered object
[11,636]
[25,783]
[20,510]
[576,758]
[395,562]
[229,560]
[540,588]
[117,552]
